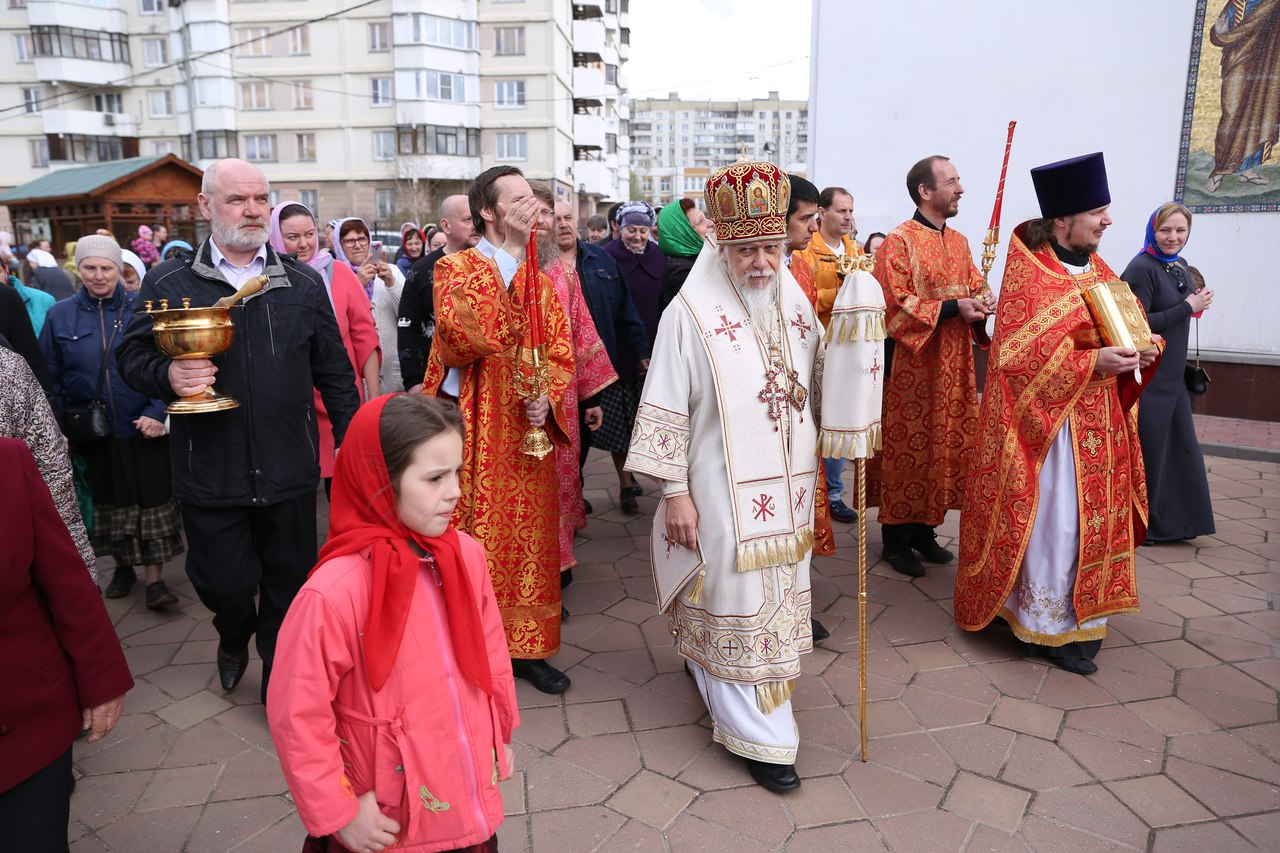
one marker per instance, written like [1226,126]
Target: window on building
[17,4]
[22,50]
[306,147]
[255,95]
[508,94]
[154,52]
[611,74]
[302,99]
[216,144]
[253,41]
[379,36]
[664,185]
[160,103]
[108,102]
[76,148]
[611,143]
[513,146]
[380,92]
[300,41]
[508,41]
[434,139]
[39,152]
[80,44]
[151,7]
[440,86]
[384,144]
[384,203]
[310,198]
[33,100]
[260,147]
[444,32]
[161,147]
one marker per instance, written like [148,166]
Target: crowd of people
[737,353]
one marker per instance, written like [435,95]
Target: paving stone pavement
[1173,745]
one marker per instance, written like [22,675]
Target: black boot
[820,631]
[779,778]
[1075,657]
[121,582]
[925,540]
[542,675]
[897,550]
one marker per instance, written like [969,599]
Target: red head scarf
[363,515]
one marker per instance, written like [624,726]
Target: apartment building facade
[678,143]
[377,108]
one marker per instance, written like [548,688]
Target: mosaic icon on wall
[1228,162]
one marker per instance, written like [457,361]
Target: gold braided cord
[862,605]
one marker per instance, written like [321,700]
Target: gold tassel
[875,327]
[772,695]
[695,594]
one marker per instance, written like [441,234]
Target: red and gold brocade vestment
[931,397]
[1040,381]
[824,541]
[593,373]
[508,498]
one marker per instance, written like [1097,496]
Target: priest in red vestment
[508,498]
[1056,494]
[935,308]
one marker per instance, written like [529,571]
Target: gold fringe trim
[860,444]
[772,695]
[695,594]
[859,325]
[775,551]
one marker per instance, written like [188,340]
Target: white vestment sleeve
[660,441]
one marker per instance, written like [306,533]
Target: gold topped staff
[992,239]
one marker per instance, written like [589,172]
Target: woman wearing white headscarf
[47,275]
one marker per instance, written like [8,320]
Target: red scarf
[363,515]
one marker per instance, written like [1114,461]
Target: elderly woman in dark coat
[135,519]
[1177,487]
[60,661]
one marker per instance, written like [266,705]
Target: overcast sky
[714,48]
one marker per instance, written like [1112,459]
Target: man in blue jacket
[246,477]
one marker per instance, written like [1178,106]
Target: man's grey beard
[235,238]
[548,251]
[759,290]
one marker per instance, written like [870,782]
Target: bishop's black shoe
[925,540]
[233,660]
[779,778]
[542,675]
[820,631]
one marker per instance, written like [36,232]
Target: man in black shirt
[416,324]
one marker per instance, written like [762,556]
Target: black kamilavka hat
[1071,186]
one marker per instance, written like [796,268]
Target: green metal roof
[78,181]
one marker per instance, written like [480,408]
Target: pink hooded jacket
[429,744]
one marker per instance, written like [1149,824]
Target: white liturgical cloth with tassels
[853,377]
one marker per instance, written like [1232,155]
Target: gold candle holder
[529,380]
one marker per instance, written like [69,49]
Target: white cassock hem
[741,726]
[1041,608]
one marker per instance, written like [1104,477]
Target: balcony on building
[588,41]
[90,123]
[75,149]
[587,9]
[77,14]
[624,43]
[588,133]
[76,55]
[588,88]
[593,178]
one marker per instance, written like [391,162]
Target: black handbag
[1195,376]
[90,423]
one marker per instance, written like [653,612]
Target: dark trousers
[34,813]
[584,441]
[236,552]
[901,537]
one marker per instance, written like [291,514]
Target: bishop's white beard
[759,290]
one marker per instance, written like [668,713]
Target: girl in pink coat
[393,702]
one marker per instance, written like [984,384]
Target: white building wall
[1095,76]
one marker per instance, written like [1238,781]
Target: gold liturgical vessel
[187,333]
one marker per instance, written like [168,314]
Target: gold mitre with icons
[748,201]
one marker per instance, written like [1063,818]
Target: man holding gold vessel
[1056,494]
[245,475]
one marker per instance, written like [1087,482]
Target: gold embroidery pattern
[1039,602]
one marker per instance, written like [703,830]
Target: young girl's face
[429,486]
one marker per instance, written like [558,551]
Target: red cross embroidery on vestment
[728,328]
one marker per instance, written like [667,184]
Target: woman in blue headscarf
[1177,487]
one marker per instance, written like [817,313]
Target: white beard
[760,293]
